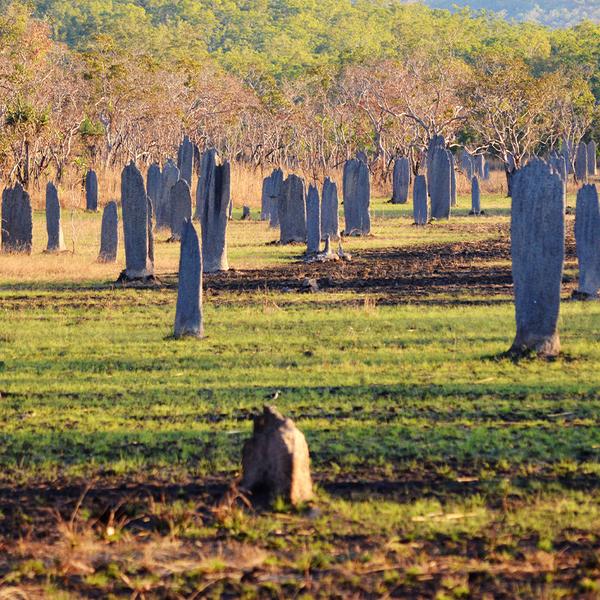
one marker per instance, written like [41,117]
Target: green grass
[99,385]
[478,451]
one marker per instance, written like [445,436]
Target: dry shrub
[369,304]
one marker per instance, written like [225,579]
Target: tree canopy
[286,38]
[283,81]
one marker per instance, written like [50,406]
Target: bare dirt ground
[148,538]
[395,275]
[461,272]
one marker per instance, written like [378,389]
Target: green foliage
[288,38]
[90,128]
[341,76]
[21,113]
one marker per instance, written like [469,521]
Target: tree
[40,82]
[510,110]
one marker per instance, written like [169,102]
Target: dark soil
[393,275]
[494,566]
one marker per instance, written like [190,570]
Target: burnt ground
[153,540]
[463,272]
[32,510]
[393,275]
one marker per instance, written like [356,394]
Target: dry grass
[91,554]
[496,184]
[246,186]
[82,237]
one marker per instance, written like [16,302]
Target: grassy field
[443,468]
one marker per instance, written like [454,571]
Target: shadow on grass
[219,404]
[528,357]
[353,445]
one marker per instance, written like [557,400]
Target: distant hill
[555,13]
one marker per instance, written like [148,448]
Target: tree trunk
[26,165]
[509,179]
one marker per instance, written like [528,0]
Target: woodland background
[297,83]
